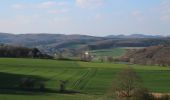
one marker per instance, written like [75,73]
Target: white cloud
[18,6]
[89,3]
[61,19]
[58,11]
[46,4]
[138,15]
[164,10]
[51,7]
[98,17]
[165,18]
[19,23]
[49,4]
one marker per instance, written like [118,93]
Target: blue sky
[90,17]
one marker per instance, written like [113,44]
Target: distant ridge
[134,36]
[50,43]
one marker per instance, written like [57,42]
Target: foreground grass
[48,97]
[92,80]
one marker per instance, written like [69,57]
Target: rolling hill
[154,55]
[135,36]
[50,43]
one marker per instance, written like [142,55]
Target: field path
[158,95]
[84,79]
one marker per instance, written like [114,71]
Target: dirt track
[158,95]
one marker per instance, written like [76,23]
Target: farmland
[89,80]
[116,52]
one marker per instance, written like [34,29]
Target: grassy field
[91,80]
[115,52]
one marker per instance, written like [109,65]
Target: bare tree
[63,85]
[126,85]
[101,59]
[110,59]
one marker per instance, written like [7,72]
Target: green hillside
[115,52]
[90,80]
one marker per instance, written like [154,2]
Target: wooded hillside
[154,55]
[21,52]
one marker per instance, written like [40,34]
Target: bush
[63,85]
[27,83]
[128,86]
[31,84]
[164,97]
[142,94]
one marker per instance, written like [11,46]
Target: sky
[89,17]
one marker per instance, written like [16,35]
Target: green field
[115,52]
[91,80]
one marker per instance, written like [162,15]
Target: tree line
[21,52]
[154,55]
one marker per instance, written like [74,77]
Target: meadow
[89,80]
[115,52]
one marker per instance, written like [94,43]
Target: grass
[48,97]
[115,52]
[92,80]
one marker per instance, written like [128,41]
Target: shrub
[31,84]
[164,97]
[128,86]
[63,86]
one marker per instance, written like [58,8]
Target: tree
[127,85]
[101,59]
[86,56]
[63,85]
[35,52]
[110,59]
[59,54]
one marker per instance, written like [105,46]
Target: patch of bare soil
[158,95]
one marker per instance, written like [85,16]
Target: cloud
[58,11]
[98,17]
[51,7]
[138,15]
[19,23]
[46,4]
[89,3]
[18,6]
[61,19]
[49,4]
[165,18]
[164,10]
